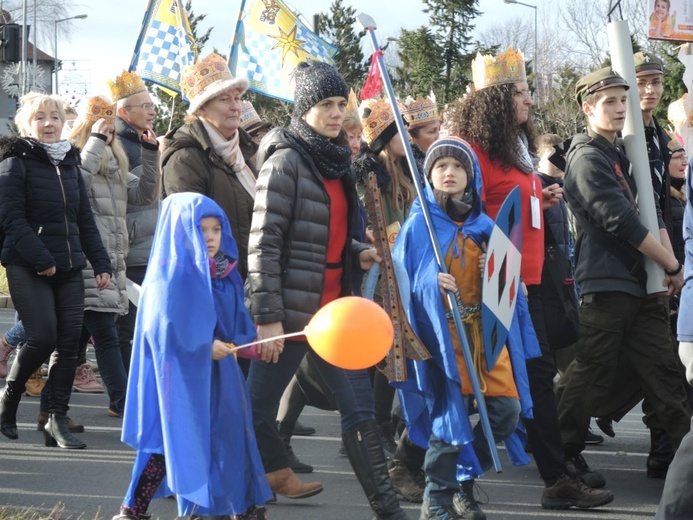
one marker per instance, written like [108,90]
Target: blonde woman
[48,228]
[111,188]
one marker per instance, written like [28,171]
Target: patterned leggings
[151,477]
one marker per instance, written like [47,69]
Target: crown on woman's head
[376,116]
[420,111]
[507,67]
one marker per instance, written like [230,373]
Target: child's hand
[220,350]
[482,258]
[446,282]
[368,257]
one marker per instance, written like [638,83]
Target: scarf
[332,160]
[525,161]
[221,265]
[56,151]
[230,153]
[456,209]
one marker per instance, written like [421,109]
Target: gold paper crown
[195,78]
[351,115]
[125,85]
[100,108]
[420,111]
[507,67]
[376,116]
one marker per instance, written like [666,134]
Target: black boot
[57,433]
[365,451]
[286,431]
[9,402]
[25,364]
[387,430]
[661,454]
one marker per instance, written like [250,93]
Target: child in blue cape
[436,397]
[187,411]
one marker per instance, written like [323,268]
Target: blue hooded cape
[432,399]
[180,402]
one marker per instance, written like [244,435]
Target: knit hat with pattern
[316,81]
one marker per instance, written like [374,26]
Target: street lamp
[536,48]
[55,49]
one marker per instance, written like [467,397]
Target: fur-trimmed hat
[450,147]
[316,81]
[206,79]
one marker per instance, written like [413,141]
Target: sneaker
[295,464]
[577,467]
[6,351]
[593,438]
[85,381]
[567,492]
[128,514]
[35,384]
[114,412]
[405,482]
[253,513]
[466,505]
[434,512]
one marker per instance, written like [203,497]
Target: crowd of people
[261,227]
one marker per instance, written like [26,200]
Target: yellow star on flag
[288,43]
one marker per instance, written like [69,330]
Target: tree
[422,64]
[452,28]
[164,118]
[338,27]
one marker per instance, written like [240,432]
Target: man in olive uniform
[621,326]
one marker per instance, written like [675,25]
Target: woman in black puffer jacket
[48,228]
[300,255]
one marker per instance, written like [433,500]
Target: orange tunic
[465,268]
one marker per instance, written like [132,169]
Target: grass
[28,513]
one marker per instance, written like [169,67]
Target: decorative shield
[501,282]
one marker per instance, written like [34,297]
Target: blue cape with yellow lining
[432,399]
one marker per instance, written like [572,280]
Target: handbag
[559,297]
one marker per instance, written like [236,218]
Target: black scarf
[333,160]
[457,209]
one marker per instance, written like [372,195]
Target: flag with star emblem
[501,282]
[270,42]
[165,44]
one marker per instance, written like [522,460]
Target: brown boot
[35,384]
[43,419]
[284,482]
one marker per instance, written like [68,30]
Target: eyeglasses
[654,84]
[144,106]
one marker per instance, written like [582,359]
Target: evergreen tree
[451,21]
[337,26]
[422,64]
[163,118]
[674,86]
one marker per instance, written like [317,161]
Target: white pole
[622,61]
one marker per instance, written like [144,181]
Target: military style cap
[598,80]
[647,63]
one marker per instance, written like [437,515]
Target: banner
[270,42]
[165,44]
[670,20]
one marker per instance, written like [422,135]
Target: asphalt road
[90,484]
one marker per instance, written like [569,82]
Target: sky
[102,45]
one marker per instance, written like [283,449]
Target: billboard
[670,20]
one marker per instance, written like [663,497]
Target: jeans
[440,463]
[102,327]
[351,390]
[16,335]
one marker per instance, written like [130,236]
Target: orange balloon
[351,332]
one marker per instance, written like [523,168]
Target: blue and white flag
[165,44]
[270,42]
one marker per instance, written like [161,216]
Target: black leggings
[51,308]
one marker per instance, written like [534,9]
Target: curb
[6,302]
